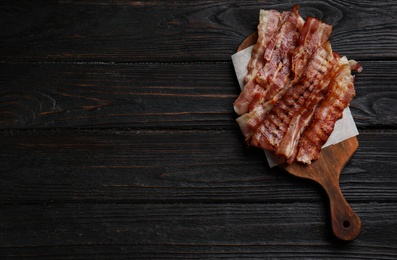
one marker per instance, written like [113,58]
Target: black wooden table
[118,136]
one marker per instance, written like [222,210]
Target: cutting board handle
[346,224]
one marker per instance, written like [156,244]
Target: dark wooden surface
[118,137]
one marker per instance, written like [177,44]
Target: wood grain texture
[103,231]
[173,166]
[132,31]
[118,138]
[153,95]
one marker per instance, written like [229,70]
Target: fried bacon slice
[314,34]
[296,87]
[340,93]
[269,23]
[269,69]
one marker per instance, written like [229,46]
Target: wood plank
[174,166]
[156,95]
[375,103]
[109,95]
[270,230]
[177,31]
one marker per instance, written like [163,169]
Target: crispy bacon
[340,93]
[270,73]
[314,33]
[269,22]
[250,121]
[282,119]
[318,82]
[296,87]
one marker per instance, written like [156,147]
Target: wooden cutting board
[346,225]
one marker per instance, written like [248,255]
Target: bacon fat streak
[296,88]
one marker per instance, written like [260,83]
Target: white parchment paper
[344,127]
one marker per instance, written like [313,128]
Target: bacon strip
[314,33]
[269,24]
[273,72]
[340,93]
[275,75]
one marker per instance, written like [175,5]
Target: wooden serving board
[346,225]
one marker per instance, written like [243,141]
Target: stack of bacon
[296,88]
